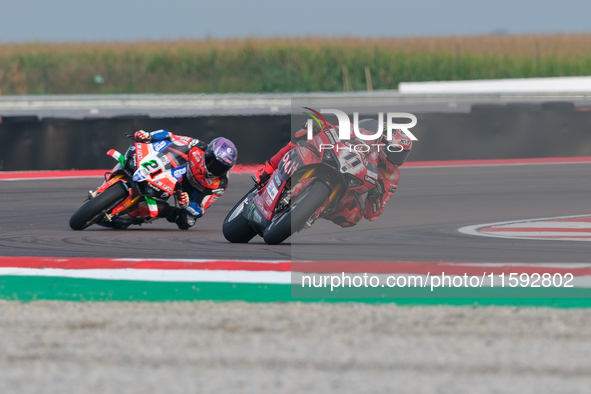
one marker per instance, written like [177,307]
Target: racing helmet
[396,151]
[220,156]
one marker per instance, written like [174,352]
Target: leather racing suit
[202,190]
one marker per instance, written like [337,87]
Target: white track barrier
[492,86]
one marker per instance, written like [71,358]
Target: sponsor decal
[288,166]
[268,199]
[192,211]
[163,186]
[374,207]
[197,157]
[256,217]
[140,175]
[330,136]
[158,146]
[272,190]
[380,187]
[250,212]
[179,172]
[370,180]
[278,180]
[219,191]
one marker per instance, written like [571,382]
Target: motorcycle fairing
[267,198]
[256,215]
[154,165]
[109,183]
[159,167]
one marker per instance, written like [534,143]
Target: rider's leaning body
[208,166]
[376,199]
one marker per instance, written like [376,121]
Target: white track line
[573,225]
[473,230]
[156,275]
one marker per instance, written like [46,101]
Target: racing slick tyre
[302,207]
[235,227]
[93,211]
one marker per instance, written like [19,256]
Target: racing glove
[183,199]
[263,174]
[142,136]
[375,195]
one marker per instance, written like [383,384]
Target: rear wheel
[94,210]
[236,228]
[301,209]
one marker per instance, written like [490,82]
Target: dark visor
[214,166]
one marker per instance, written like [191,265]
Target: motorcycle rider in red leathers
[377,198]
[206,178]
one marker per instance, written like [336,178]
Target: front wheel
[93,211]
[236,228]
[301,209]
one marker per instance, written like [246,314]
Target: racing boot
[170,213]
[185,221]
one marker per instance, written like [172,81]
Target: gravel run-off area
[190,347]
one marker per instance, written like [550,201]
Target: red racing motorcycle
[313,180]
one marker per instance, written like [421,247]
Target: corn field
[283,65]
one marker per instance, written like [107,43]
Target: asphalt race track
[212,347]
[420,223]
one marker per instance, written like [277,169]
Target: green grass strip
[31,288]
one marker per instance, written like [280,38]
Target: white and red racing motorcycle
[146,175]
